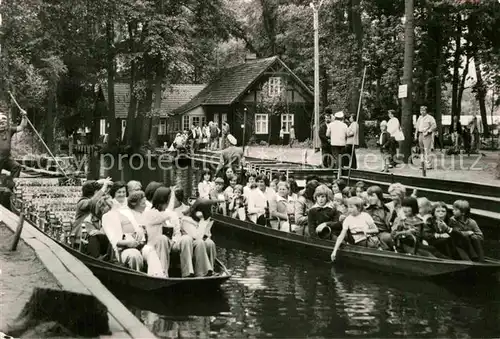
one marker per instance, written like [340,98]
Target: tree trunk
[456,68]
[49,119]
[155,116]
[132,109]
[357,29]
[481,96]
[462,87]
[324,86]
[406,117]
[110,35]
[437,90]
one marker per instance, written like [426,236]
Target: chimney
[250,57]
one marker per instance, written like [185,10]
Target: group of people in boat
[150,230]
[354,214]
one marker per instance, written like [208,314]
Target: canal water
[282,295]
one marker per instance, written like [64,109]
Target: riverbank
[475,168]
[57,269]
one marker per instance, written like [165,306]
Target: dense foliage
[56,53]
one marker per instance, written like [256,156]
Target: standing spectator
[426,126]
[394,130]
[337,132]
[352,142]
[282,135]
[475,131]
[205,132]
[292,136]
[326,149]
[225,133]
[385,146]
[193,138]
[214,136]
[456,133]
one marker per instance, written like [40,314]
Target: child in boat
[406,231]
[361,226]
[424,209]
[466,233]
[338,186]
[437,233]
[349,192]
[205,186]
[380,215]
[340,205]
[361,191]
[251,184]
[229,191]
[217,194]
[237,204]
[323,216]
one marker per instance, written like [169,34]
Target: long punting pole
[357,129]
[39,136]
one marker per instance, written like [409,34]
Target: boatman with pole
[6,133]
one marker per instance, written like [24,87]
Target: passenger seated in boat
[302,207]
[466,233]
[236,206]
[118,192]
[196,223]
[133,186]
[165,214]
[260,201]
[406,231]
[250,183]
[397,192]
[274,184]
[229,191]
[340,204]
[361,226]
[323,215]
[206,185]
[294,189]
[380,215]
[92,191]
[424,208]
[217,195]
[128,238]
[349,192]
[437,233]
[338,186]
[361,191]
[94,243]
[282,214]
[228,174]
[150,191]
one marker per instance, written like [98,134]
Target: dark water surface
[274,294]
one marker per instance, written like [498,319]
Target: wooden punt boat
[110,273]
[384,261]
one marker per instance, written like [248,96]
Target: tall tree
[407,122]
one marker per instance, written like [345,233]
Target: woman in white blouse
[123,228]
[118,192]
[394,130]
[206,185]
[259,199]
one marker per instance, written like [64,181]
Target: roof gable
[172,98]
[231,83]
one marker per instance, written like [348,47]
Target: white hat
[339,115]
[232,140]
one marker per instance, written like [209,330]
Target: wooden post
[17,235]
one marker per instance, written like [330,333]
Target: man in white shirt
[426,126]
[337,132]
[352,142]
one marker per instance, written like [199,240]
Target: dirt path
[20,272]
[474,168]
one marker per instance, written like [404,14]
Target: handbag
[399,135]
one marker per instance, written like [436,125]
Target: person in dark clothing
[6,133]
[326,148]
[323,212]
[456,133]
[92,191]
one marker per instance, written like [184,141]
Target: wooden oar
[38,135]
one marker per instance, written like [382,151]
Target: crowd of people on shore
[145,230]
[356,214]
[209,136]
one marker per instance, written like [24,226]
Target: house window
[196,121]
[274,86]
[176,124]
[287,121]
[224,117]
[261,124]
[216,118]
[185,123]
[162,127]
[203,121]
[102,127]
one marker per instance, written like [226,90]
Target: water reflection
[273,295]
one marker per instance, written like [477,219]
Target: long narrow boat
[385,261]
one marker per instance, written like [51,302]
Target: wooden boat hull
[410,265]
[110,273]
